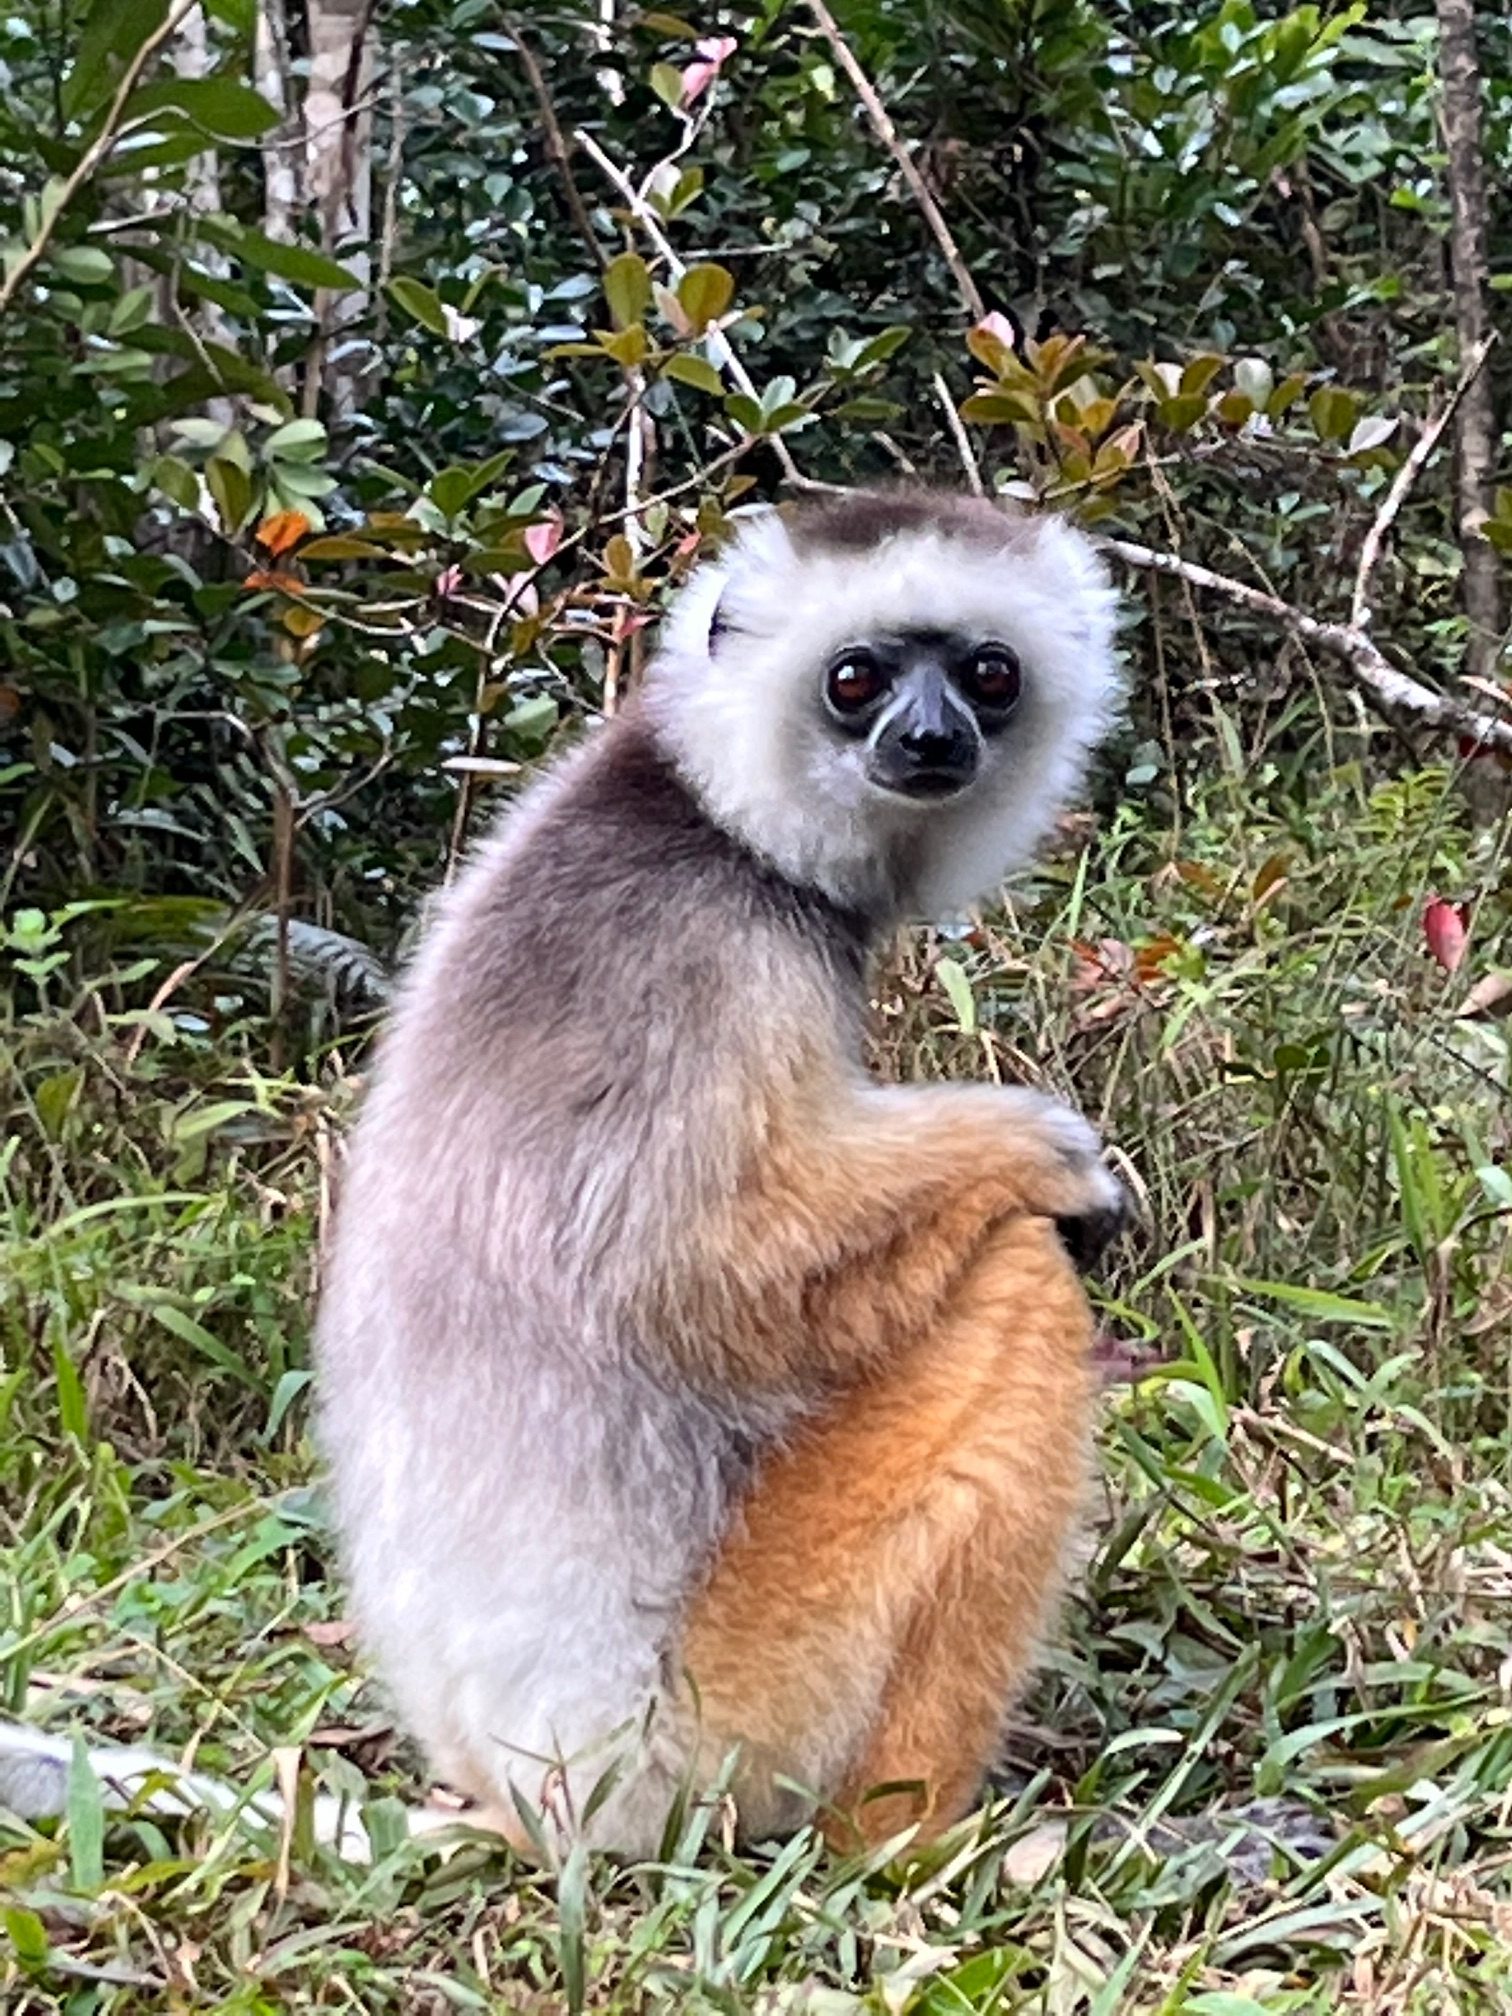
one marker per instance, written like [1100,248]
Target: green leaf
[200,1120]
[342,546]
[449,490]
[177,481]
[952,977]
[666,82]
[746,412]
[289,1387]
[231,487]
[112,34]
[882,346]
[697,371]
[687,189]
[297,440]
[176,142]
[189,1332]
[416,299]
[131,311]
[238,15]
[629,347]
[86,1823]
[532,718]
[294,479]
[222,105]
[1183,412]
[1319,1303]
[298,264]
[73,1409]
[1201,372]
[199,432]
[54,1097]
[85,265]
[627,289]
[1332,411]
[28,1937]
[997,409]
[1293,39]
[704,293]
[788,414]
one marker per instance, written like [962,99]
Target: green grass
[1299,1586]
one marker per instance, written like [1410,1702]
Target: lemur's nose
[930,743]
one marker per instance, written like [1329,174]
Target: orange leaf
[283,530]
[1153,954]
[283,584]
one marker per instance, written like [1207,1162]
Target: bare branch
[1402,482]
[557,149]
[1475,430]
[1366,664]
[887,133]
[969,466]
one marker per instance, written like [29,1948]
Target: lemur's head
[891,695]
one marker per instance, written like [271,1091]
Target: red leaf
[1446,928]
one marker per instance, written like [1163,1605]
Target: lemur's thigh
[872,1612]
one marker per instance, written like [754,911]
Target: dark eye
[855,683]
[993,678]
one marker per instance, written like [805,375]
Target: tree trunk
[1475,422]
[281,148]
[338,125]
[191,56]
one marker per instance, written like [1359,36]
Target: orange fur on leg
[883,1593]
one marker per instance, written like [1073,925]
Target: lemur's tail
[36,1770]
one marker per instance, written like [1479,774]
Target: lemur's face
[921,708]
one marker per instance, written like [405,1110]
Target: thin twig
[959,435]
[97,152]
[887,133]
[718,342]
[1359,655]
[1402,482]
[557,149]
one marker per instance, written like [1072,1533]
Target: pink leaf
[542,540]
[715,51]
[1446,927]
[518,590]
[998,325]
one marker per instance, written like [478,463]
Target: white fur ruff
[744,718]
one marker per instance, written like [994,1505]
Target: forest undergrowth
[1296,1596]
